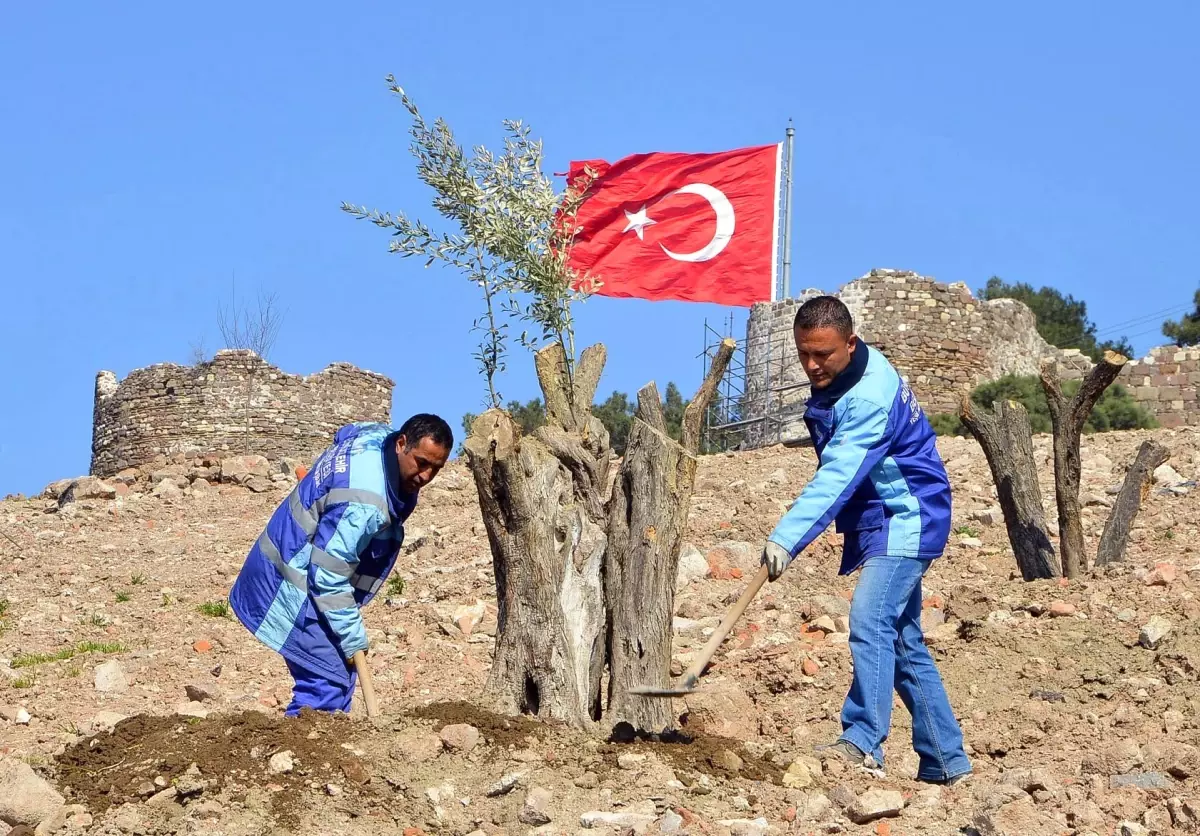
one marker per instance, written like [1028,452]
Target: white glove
[776,558]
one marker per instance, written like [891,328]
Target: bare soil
[1072,722]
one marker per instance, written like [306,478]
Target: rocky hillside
[132,703]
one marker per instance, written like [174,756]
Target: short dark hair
[825,312]
[424,425]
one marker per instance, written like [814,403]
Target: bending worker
[329,547]
[882,483]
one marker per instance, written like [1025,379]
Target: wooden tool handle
[735,612]
[364,680]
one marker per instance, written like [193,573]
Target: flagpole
[787,215]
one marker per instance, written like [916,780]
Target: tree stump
[1007,441]
[582,578]
[1129,501]
[647,516]
[1068,418]
[542,503]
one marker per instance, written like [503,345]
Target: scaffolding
[757,404]
[760,401]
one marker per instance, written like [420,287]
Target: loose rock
[1141,781]
[1154,631]
[634,821]
[1167,476]
[203,691]
[802,773]
[505,785]
[692,567]
[110,678]
[281,763]
[535,811]
[25,797]
[416,746]
[745,827]
[460,737]
[875,804]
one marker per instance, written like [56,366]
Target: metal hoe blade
[661,692]
[686,687]
[692,675]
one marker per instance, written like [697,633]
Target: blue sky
[152,152]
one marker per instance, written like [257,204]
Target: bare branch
[255,330]
[198,354]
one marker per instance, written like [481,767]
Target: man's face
[420,463]
[824,353]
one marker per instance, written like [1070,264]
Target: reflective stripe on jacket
[325,552]
[879,477]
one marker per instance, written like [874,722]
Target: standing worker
[880,479]
[329,547]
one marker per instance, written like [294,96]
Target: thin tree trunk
[647,517]
[1007,441]
[1129,501]
[1068,418]
[542,505]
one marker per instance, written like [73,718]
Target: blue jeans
[888,652]
[314,690]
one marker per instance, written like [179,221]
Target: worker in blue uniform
[328,549]
[882,483]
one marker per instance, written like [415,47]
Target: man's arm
[344,531]
[858,443]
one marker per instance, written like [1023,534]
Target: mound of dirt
[496,729]
[145,755]
[700,753]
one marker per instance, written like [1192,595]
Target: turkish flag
[695,227]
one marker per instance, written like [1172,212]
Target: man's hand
[776,558]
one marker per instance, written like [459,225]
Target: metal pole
[787,214]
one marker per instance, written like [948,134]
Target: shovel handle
[735,612]
[364,681]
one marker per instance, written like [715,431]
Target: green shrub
[947,423]
[1116,409]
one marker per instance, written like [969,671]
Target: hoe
[692,676]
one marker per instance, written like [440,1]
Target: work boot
[843,750]
[847,752]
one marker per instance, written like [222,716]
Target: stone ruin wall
[945,342]
[236,403]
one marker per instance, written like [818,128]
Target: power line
[1165,312]
[1144,332]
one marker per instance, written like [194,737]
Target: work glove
[776,558]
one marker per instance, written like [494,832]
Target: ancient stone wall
[235,403]
[1167,383]
[945,342]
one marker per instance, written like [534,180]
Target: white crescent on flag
[725,223]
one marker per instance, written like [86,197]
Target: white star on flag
[638,221]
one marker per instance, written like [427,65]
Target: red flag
[696,227]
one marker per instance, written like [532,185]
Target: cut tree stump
[1007,442]
[541,498]
[1068,418]
[1129,501]
[647,516]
